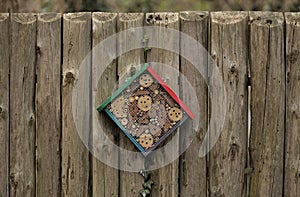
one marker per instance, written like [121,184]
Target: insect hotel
[146,109]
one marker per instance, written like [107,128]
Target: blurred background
[145,5]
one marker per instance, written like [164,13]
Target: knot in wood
[293,56]
[13,183]
[214,56]
[269,21]
[31,118]
[69,78]
[38,50]
[132,70]
[2,112]
[153,19]
[294,108]
[233,151]
[232,69]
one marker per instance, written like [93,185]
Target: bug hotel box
[146,109]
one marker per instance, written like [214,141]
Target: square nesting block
[146,109]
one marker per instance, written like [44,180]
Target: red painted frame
[172,94]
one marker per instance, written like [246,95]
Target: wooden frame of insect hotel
[146,109]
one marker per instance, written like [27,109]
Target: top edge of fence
[77,16]
[193,15]
[268,19]
[228,17]
[261,18]
[104,16]
[153,12]
[292,18]
[24,18]
[130,16]
[163,18]
[4,16]
[49,17]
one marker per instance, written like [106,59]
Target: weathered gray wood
[193,168]
[134,57]
[267,103]
[48,131]
[4,102]
[227,159]
[22,105]
[130,182]
[105,178]
[75,156]
[35,120]
[292,135]
[166,178]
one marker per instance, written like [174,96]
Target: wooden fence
[257,53]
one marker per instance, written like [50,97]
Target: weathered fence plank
[267,71]
[4,102]
[48,131]
[22,105]
[292,135]
[105,178]
[192,168]
[75,156]
[134,57]
[166,178]
[130,182]
[227,159]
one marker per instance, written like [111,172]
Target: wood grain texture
[127,40]
[22,105]
[4,102]
[267,103]
[165,178]
[292,135]
[130,182]
[43,155]
[105,178]
[48,92]
[193,168]
[75,155]
[227,159]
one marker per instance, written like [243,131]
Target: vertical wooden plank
[292,135]
[267,71]
[105,178]
[134,57]
[48,133]
[75,156]
[192,168]
[166,178]
[22,105]
[4,102]
[130,182]
[227,159]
